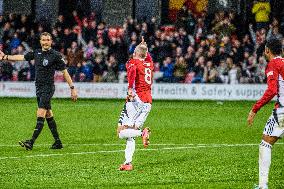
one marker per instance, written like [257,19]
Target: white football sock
[129,150]
[264,163]
[128,133]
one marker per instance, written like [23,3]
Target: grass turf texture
[191,154]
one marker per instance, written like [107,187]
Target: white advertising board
[160,91]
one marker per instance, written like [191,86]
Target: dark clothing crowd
[195,49]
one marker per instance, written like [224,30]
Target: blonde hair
[141,51]
[45,34]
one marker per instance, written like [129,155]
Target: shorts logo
[45,62]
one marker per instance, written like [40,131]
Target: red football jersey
[275,84]
[140,77]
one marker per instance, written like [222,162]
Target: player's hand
[1,55]
[74,95]
[119,128]
[130,95]
[143,42]
[250,118]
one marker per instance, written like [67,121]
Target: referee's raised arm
[11,57]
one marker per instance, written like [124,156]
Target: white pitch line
[97,144]
[148,149]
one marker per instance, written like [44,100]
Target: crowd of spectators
[196,49]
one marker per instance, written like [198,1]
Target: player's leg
[140,120]
[130,148]
[129,132]
[129,152]
[136,114]
[272,132]
[265,149]
[126,127]
[41,112]
[53,128]
[126,130]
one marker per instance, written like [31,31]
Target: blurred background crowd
[193,48]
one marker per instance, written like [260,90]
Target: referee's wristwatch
[72,87]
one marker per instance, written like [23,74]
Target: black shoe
[57,145]
[26,144]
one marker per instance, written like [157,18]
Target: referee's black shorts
[44,96]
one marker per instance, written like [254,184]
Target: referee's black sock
[53,128]
[38,128]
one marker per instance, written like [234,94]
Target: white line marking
[186,146]
[97,144]
[16,145]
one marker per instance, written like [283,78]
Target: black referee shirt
[46,63]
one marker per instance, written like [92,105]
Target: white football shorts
[275,124]
[134,113]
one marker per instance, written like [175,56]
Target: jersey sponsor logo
[269,74]
[39,53]
[45,62]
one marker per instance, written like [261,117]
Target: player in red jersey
[274,128]
[138,103]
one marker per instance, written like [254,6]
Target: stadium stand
[197,48]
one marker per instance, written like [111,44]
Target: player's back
[144,77]
[276,69]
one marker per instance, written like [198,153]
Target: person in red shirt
[138,102]
[274,128]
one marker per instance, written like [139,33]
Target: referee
[47,61]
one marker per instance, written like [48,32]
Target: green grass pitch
[194,144]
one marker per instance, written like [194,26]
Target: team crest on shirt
[45,62]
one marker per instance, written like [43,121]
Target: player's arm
[131,75]
[148,55]
[143,41]
[11,57]
[271,91]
